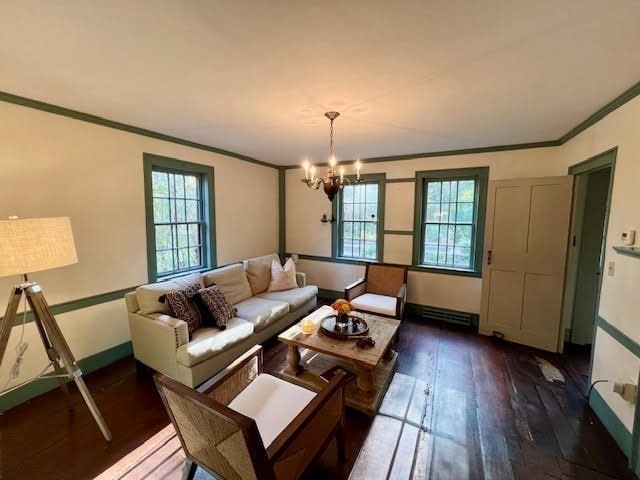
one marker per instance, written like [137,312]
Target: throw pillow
[184,307]
[282,278]
[259,275]
[218,309]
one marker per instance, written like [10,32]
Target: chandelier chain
[331,139]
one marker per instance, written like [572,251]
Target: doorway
[592,197]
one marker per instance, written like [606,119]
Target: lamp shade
[33,244]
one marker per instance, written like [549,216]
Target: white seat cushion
[375,303]
[260,311]
[273,403]
[209,341]
[296,297]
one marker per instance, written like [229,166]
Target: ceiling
[256,77]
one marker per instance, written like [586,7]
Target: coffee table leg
[365,379]
[293,360]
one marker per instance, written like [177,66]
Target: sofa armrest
[355,289]
[156,338]
[301,279]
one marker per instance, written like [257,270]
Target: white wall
[52,165]
[620,298]
[306,235]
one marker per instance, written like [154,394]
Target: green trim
[629,251]
[332,294]
[618,336]
[398,232]
[412,268]
[282,213]
[481,175]
[317,258]
[78,304]
[594,118]
[400,180]
[151,162]
[445,271]
[446,153]
[597,162]
[86,117]
[336,211]
[616,428]
[87,365]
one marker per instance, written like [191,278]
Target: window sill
[353,260]
[446,271]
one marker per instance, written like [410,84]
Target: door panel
[523,280]
[505,305]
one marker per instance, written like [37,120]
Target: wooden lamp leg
[60,349]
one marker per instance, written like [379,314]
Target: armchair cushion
[296,297]
[374,303]
[273,404]
[209,341]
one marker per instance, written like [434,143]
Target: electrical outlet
[611,268]
[630,392]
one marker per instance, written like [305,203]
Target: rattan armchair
[382,291]
[229,444]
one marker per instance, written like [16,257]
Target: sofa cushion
[282,278]
[296,297]
[217,310]
[273,404]
[375,303]
[232,280]
[148,295]
[261,312]
[184,306]
[259,275]
[209,341]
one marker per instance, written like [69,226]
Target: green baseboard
[616,428]
[87,365]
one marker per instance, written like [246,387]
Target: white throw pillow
[282,278]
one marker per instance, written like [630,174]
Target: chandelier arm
[315,184]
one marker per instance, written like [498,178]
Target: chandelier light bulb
[332,161]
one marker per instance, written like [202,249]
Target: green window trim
[336,247]
[153,162]
[481,176]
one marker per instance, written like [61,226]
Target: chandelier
[333,183]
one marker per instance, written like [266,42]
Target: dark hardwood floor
[490,414]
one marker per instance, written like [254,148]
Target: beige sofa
[161,341]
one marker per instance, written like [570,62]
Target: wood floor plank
[376,456]
[405,453]
[477,409]
[398,397]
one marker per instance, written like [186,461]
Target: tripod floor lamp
[31,245]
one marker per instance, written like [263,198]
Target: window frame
[151,163]
[481,176]
[336,211]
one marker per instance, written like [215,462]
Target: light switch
[611,268]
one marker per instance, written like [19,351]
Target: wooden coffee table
[311,355]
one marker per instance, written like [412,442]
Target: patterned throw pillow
[184,307]
[218,309]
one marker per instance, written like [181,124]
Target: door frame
[606,159]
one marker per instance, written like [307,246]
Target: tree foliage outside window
[449,228]
[358,210]
[178,220]
[180,216]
